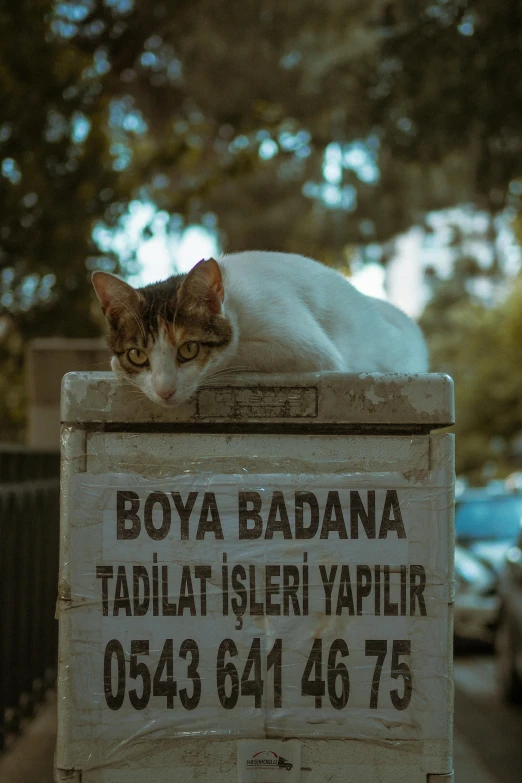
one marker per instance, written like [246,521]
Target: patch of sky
[508,246]
[373,252]
[293,141]
[291,59]
[149,59]
[128,233]
[75,11]
[298,143]
[209,221]
[303,152]
[332,166]
[123,114]
[310,189]
[344,198]
[267,149]
[120,6]
[101,62]
[239,143]
[28,291]
[348,198]
[11,171]
[368,276]
[160,58]
[332,173]
[361,158]
[63,29]
[103,263]
[331,192]
[176,224]
[160,243]
[443,11]
[122,156]
[80,127]
[134,122]
[46,285]
[475,239]
[467,26]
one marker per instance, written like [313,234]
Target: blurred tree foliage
[311,126]
[479,346]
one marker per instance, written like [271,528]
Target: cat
[257,311]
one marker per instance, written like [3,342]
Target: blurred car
[487,523]
[476,604]
[508,642]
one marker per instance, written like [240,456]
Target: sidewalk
[31,758]
[467,765]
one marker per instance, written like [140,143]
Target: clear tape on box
[218,605]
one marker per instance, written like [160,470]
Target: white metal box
[257,585]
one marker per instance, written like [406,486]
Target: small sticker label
[243,402]
[268,761]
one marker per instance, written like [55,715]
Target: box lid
[319,402]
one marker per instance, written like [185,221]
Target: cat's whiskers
[130,382]
[225,371]
[136,393]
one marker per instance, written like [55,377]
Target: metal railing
[29,541]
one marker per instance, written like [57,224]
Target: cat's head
[167,337]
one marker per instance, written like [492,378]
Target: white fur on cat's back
[297,315]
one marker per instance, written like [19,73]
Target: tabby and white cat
[255,311]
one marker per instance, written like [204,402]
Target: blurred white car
[476,600]
[487,524]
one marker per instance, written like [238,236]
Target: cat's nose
[165,394]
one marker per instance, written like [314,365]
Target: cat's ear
[204,285]
[114,293]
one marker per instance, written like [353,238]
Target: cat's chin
[165,403]
[173,402]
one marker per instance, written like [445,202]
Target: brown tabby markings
[159,312]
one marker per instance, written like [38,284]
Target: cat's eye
[137,357]
[188,351]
